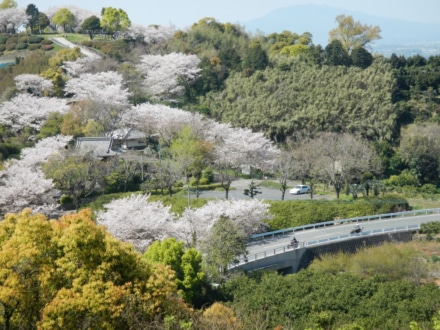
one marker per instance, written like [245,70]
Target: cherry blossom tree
[105,87]
[167,75]
[236,147]
[33,84]
[163,120]
[151,34]
[31,111]
[136,220]
[11,19]
[22,183]
[76,68]
[249,216]
[107,93]
[80,14]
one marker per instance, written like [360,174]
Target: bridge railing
[279,250]
[257,238]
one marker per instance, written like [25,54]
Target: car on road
[300,189]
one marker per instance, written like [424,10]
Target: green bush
[21,46]
[11,46]
[3,40]
[65,199]
[23,39]
[35,39]
[2,48]
[87,43]
[12,40]
[34,46]
[203,181]
[208,174]
[288,214]
[406,178]
[47,42]
[428,189]
[430,228]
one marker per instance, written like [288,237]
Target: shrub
[208,174]
[430,228]
[88,43]
[288,214]
[65,199]
[12,40]
[2,48]
[203,181]
[24,39]
[46,47]
[47,42]
[35,39]
[428,189]
[3,40]
[21,45]
[11,46]
[34,46]
[406,178]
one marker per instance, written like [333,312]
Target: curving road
[338,232]
[67,44]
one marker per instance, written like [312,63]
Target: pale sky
[181,13]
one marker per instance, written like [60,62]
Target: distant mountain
[398,36]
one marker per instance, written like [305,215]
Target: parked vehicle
[300,189]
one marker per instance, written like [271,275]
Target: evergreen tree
[361,57]
[336,54]
[34,18]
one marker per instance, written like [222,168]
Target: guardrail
[271,252]
[255,239]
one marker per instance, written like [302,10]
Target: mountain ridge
[400,36]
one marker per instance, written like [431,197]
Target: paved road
[339,230]
[67,44]
[266,193]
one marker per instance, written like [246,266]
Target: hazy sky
[181,13]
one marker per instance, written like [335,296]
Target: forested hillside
[128,140]
[294,96]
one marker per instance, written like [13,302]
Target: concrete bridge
[271,250]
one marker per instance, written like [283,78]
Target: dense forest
[208,100]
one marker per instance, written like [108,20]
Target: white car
[300,189]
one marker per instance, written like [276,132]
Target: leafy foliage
[288,214]
[310,98]
[74,273]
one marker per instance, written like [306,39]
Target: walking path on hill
[63,42]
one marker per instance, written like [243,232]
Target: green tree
[70,273]
[34,13]
[361,57]
[52,125]
[224,244]
[353,34]
[114,20]
[75,176]
[43,22]
[187,263]
[191,153]
[253,189]
[6,4]
[64,18]
[336,54]
[256,58]
[91,25]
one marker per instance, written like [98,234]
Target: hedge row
[10,43]
[287,214]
